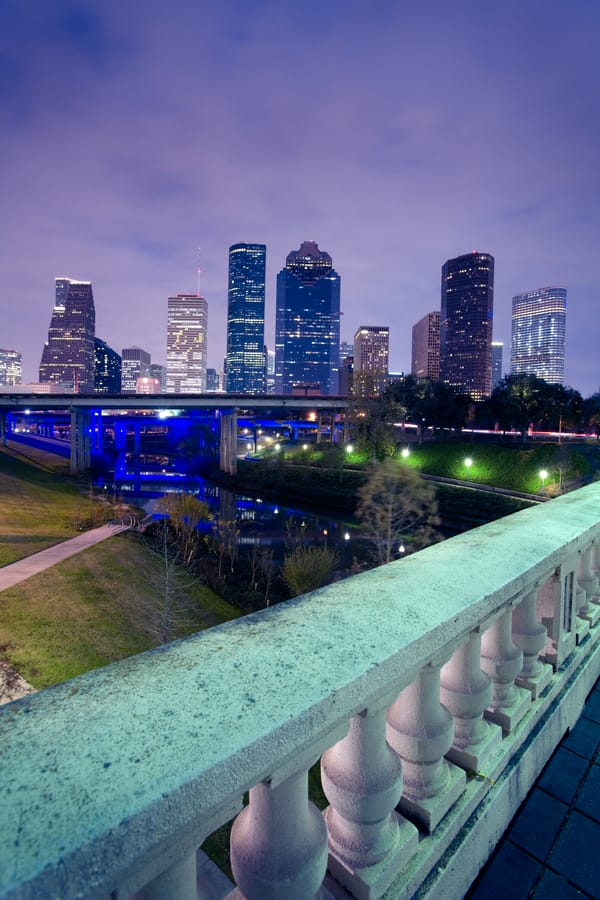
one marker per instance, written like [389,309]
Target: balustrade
[421,731]
[466,691]
[530,636]
[279,843]
[589,583]
[369,842]
[402,679]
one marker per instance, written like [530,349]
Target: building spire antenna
[198,273]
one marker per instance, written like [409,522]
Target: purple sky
[395,135]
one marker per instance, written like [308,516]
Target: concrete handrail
[105,775]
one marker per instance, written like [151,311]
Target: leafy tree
[520,401]
[396,503]
[308,568]
[185,514]
[591,413]
[429,403]
[372,424]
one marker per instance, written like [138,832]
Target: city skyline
[406,137]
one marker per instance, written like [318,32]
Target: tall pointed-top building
[466,323]
[538,334]
[245,361]
[187,316]
[68,356]
[307,327]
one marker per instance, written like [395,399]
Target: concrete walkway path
[37,562]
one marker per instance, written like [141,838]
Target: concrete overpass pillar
[228,441]
[80,441]
[3,427]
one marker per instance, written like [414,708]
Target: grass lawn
[93,609]
[514,467]
[38,507]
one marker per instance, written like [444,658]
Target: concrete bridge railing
[433,690]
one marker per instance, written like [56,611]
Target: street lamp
[349,448]
[543,476]
[405,453]
[468,462]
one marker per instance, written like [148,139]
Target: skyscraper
[426,347]
[371,360]
[245,361]
[466,323]
[11,367]
[187,316]
[160,372]
[497,357]
[135,363]
[307,326]
[538,334]
[68,355]
[107,369]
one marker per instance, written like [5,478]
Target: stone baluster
[587,580]
[369,843]
[466,691]
[279,843]
[530,636]
[421,731]
[176,883]
[502,660]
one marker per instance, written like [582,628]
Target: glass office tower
[245,360]
[107,362]
[187,316]
[538,334]
[307,326]
[68,355]
[466,323]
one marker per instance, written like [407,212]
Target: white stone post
[421,731]
[502,660]
[369,843]
[466,691]
[530,636]
[588,582]
[279,843]
[176,883]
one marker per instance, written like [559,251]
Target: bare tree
[185,514]
[395,504]
[168,609]
[268,570]
[225,543]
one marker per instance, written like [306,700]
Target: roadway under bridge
[82,417]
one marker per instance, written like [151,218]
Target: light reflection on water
[260,522]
